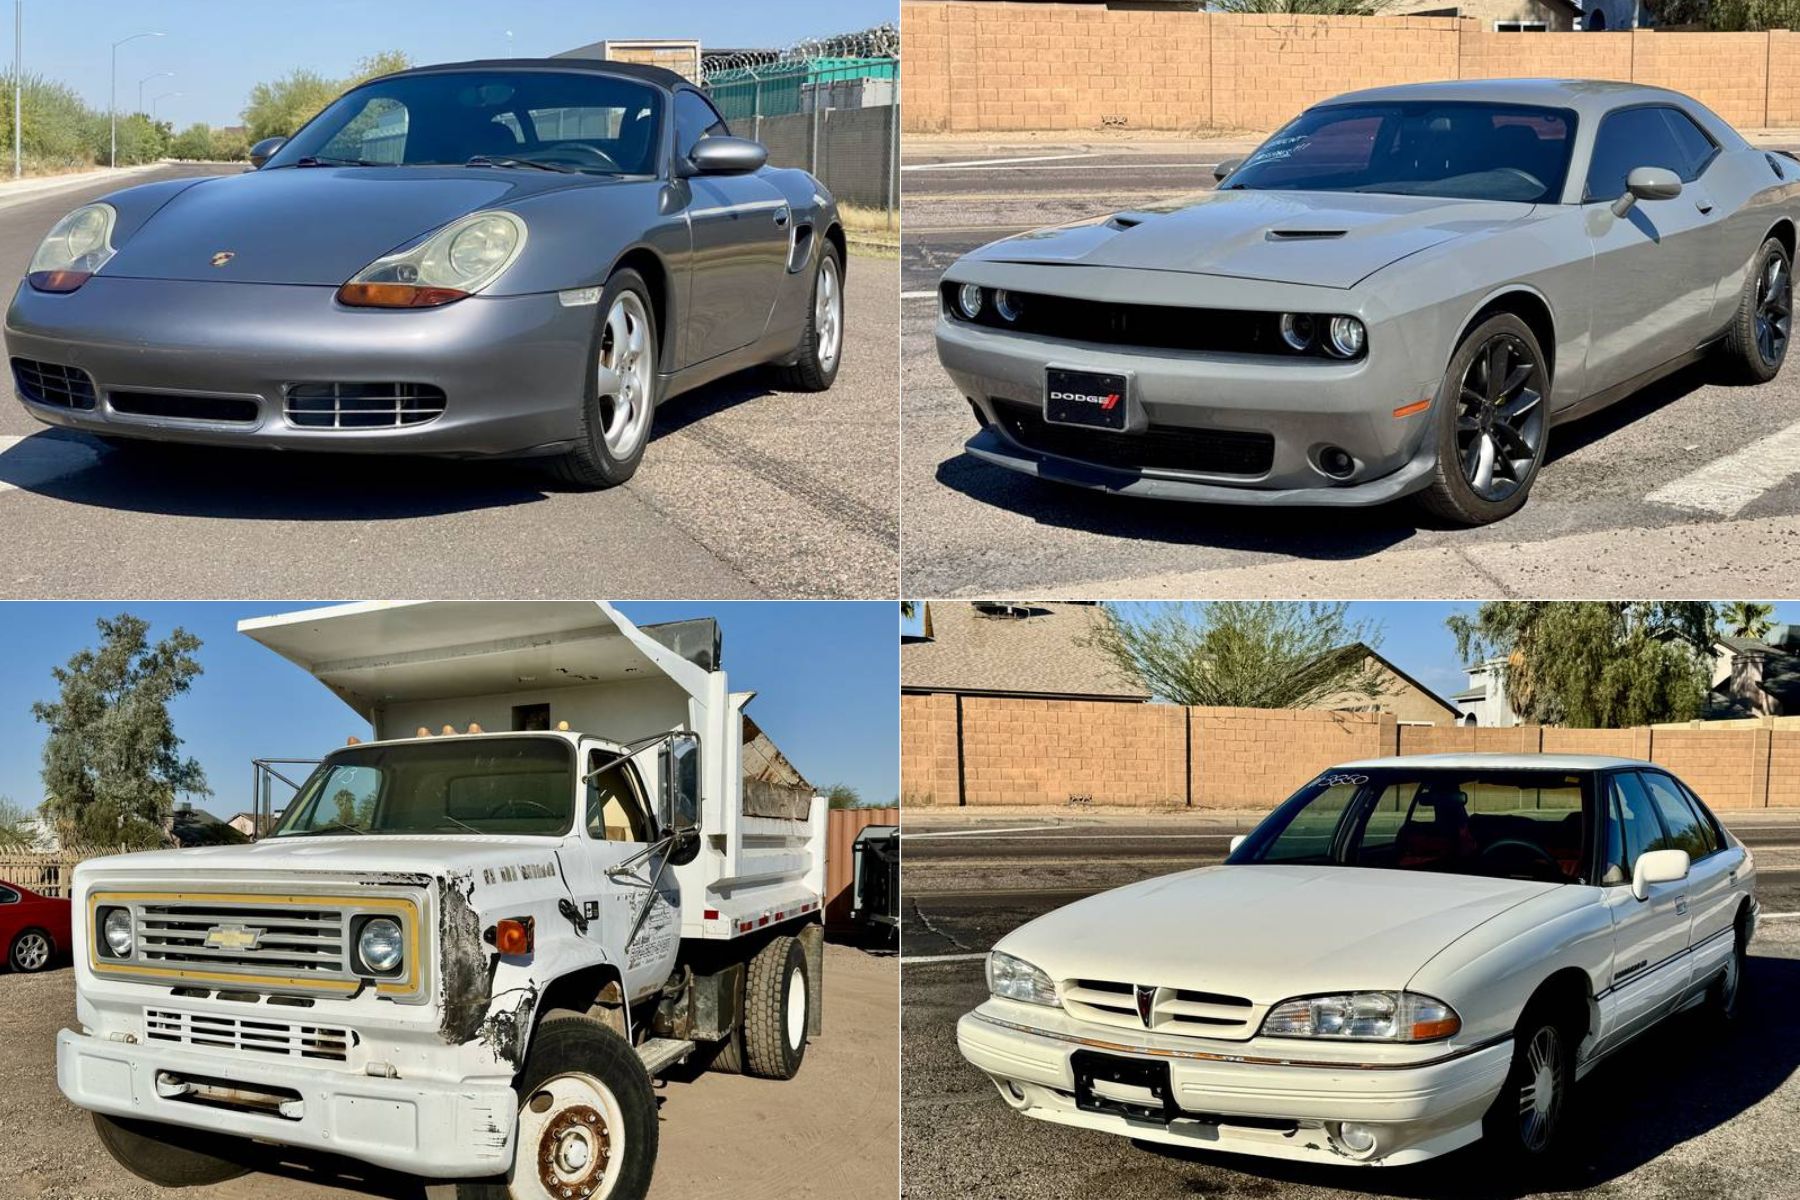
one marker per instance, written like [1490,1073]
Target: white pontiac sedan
[1407,955]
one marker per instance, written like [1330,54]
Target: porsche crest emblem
[223,257]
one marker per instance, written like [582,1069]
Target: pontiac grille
[1172,1010]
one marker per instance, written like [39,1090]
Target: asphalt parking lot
[743,492]
[972,528]
[1680,1116]
[828,1133]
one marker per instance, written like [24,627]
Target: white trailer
[567,862]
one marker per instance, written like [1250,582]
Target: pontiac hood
[313,225]
[331,858]
[1266,932]
[1328,239]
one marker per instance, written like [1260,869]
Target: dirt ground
[831,1132]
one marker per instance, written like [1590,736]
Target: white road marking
[34,460]
[1727,485]
[979,832]
[928,959]
[917,295]
[994,162]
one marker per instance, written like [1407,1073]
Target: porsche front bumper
[512,368]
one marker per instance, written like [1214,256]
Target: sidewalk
[18,191]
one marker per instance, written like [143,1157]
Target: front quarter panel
[576,235]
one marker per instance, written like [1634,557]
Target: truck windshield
[1506,824]
[521,785]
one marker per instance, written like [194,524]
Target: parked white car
[1407,955]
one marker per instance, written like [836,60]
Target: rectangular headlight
[1016,979]
[1363,1017]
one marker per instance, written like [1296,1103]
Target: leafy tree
[15,828]
[141,140]
[1242,653]
[57,128]
[277,109]
[230,145]
[195,143]
[1595,664]
[1747,618]
[112,762]
[842,795]
[385,63]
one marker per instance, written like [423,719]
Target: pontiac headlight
[115,927]
[378,945]
[457,261]
[1016,979]
[1363,1017]
[76,247]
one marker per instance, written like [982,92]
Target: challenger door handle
[1703,207]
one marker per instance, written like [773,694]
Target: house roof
[1389,666]
[1012,648]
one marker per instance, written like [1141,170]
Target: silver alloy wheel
[570,1143]
[1499,418]
[31,952]
[1774,309]
[1540,1096]
[828,312]
[625,375]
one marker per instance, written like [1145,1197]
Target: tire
[775,1003]
[1451,495]
[597,460]
[584,1068]
[1725,998]
[728,1055]
[160,1154]
[1543,1049]
[1748,355]
[822,348]
[31,951]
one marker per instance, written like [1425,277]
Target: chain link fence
[830,106]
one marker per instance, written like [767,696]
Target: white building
[1484,701]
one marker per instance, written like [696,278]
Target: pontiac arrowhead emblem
[232,937]
[223,257]
[1145,995]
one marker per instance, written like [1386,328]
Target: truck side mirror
[680,815]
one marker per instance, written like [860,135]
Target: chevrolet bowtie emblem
[232,937]
[223,257]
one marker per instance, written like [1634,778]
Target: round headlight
[1007,305]
[379,945]
[86,232]
[1297,329]
[117,930]
[482,247]
[1346,336]
[968,298]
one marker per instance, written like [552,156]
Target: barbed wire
[883,41]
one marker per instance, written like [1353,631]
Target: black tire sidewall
[1470,507]
[615,468]
[827,375]
[1763,369]
[767,1052]
[1502,1123]
[160,1154]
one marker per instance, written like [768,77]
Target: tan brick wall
[928,750]
[1257,757]
[1049,751]
[1028,66]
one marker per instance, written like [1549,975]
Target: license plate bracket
[1098,1074]
[1090,399]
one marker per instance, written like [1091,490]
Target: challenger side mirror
[264,150]
[1658,866]
[1222,169]
[727,156]
[680,813]
[1647,183]
[1237,841]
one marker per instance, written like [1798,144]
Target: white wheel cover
[556,1151]
[796,1009]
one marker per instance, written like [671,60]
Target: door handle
[1703,206]
[781,215]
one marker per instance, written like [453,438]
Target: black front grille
[53,383]
[1147,326]
[362,405]
[1160,448]
[227,409]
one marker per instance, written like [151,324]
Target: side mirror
[1222,169]
[727,156]
[1237,841]
[680,814]
[1647,183]
[264,150]
[1658,866]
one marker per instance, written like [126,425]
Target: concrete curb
[13,192]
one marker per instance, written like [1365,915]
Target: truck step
[659,1054]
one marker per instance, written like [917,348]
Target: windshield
[572,121]
[1418,148]
[1504,824]
[474,786]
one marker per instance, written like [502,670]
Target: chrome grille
[210,1031]
[290,939]
[362,405]
[1172,1010]
[53,383]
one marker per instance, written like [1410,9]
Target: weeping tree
[1595,664]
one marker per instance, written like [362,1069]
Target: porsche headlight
[457,261]
[76,247]
[1363,1017]
[1016,979]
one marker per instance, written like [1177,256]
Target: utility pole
[112,104]
[147,79]
[18,87]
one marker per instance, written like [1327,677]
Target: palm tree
[1747,618]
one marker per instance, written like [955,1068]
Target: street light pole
[158,100]
[112,104]
[147,79]
[18,87]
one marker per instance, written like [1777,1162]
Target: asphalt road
[743,492]
[1588,529]
[1678,1116]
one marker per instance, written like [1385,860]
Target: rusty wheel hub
[573,1152]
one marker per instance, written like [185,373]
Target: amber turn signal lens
[513,936]
[395,295]
[58,281]
[1417,406]
[1426,1031]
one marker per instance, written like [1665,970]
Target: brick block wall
[1485,55]
[928,749]
[1721,766]
[1255,758]
[1267,68]
[1728,72]
[1047,751]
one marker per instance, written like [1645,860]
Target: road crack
[931,928]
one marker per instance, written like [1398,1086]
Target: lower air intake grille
[1160,448]
[230,410]
[52,383]
[362,405]
[208,1031]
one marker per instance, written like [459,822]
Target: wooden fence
[45,874]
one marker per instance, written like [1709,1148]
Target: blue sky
[825,674]
[218,49]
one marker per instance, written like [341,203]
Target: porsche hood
[1327,239]
[311,225]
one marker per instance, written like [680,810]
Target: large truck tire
[728,1055]
[162,1154]
[587,1120]
[776,1000]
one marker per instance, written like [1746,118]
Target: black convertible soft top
[660,76]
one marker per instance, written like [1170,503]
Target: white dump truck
[567,862]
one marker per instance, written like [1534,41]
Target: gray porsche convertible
[486,258]
[1401,292]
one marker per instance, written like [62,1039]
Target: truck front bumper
[437,1130]
[1272,1109]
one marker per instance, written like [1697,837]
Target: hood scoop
[1126,220]
[1303,235]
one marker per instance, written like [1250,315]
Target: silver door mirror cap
[1647,183]
[727,156]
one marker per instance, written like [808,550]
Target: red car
[34,929]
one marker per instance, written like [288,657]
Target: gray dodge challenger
[1401,292]
[516,257]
